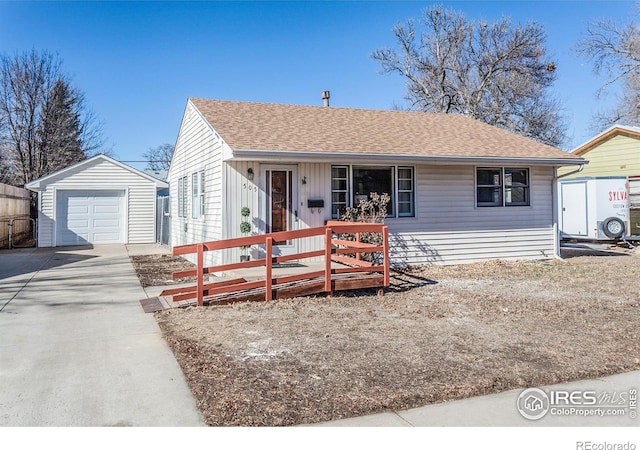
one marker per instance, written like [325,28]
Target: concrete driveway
[76,349]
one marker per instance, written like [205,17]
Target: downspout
[578,170]
[556,204]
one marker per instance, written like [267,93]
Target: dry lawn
[439,333]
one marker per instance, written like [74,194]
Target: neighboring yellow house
[614,152]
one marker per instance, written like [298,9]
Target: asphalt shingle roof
[280,127]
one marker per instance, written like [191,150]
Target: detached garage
[97,201]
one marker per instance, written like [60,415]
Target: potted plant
[245,229]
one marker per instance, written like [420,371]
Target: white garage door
[90,217]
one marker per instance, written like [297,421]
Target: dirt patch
[439,333]
[157,270]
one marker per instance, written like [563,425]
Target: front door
[281,205]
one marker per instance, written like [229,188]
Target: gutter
[289,156]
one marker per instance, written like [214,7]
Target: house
[96,201]
[614,152]
[461,190]
[533,403]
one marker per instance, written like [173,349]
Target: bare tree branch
[44,122]
[496,73]
[614,51]
[159,158]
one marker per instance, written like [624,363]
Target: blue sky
[138,62]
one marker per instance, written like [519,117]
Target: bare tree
[495,73]
[44,123]
[614,50]
[159,158]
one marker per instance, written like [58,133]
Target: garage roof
[35,184]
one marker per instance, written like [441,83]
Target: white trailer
[594,208]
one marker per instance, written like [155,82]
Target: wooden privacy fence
[16,225]
[354,272]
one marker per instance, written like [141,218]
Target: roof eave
[312,156]
[35,184]
[606,134]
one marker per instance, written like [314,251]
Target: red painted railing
[335,249]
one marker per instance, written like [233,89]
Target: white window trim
[202,194]
[348,190]
[394,194]
[197,195]
[412,191]
[180,196]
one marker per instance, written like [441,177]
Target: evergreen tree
[60,134]
[44,123]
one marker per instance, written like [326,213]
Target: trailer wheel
[613,227]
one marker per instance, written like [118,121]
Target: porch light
[250,173]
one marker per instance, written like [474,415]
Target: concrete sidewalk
[501,409]
[76,348]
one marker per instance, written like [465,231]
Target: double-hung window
[339,189]
[502,186]
[516,187]
[197,195]
[182,196]
[406,192]
[352,184]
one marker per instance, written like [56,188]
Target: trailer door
[574,209]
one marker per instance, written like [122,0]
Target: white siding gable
[198,149]
[101,174]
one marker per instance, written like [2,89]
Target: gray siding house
[461,191]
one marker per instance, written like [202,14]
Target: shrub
[372,210]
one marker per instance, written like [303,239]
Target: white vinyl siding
[101,174]
[198,149]
[244,192]
[241,192]
[449,229]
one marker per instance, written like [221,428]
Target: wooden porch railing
[335,249]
